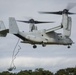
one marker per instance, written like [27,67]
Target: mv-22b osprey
[46,36]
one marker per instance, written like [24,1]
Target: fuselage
[40,37]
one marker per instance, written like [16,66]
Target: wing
[54,29]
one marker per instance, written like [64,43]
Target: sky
[52,57]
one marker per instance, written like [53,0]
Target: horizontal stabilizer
[3,33]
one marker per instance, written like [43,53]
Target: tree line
[41,71]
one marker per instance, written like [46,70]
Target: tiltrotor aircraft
[46,36]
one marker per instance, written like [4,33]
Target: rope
[12,65]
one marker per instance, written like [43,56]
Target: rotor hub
[65,11]
[31,21]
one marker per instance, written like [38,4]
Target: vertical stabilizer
[3,30]
[2,26]
[13,28]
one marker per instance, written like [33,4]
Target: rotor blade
[57,12]
[38,22]
[71,13]
[70,6]
[66,10]
[35,22]
[23,21]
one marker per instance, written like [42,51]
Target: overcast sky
[51,57]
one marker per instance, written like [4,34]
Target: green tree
[61,72]
[23,73]
[5,73]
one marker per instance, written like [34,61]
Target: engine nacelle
[32,27]
[67,23]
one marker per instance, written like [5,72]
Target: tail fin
[13,28]
[3,30]
[67,23]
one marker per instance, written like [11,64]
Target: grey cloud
[20,8]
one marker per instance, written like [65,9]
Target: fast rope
[12,65]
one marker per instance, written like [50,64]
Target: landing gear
[43,45]
[68,46]
[34,46]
